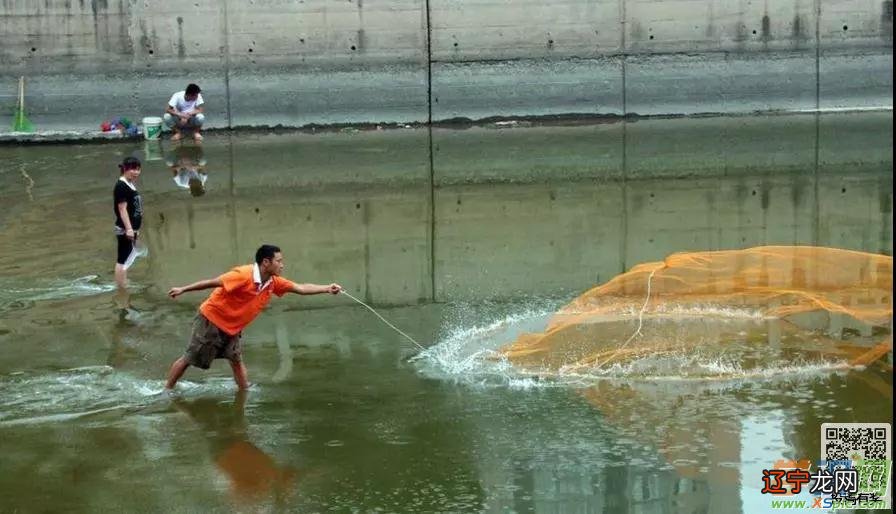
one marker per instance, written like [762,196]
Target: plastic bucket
[152,128]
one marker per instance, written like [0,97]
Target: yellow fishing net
[788,301]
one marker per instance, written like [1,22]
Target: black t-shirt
[124,193]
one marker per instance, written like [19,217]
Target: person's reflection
[253,475]
[187,165]
[123,345]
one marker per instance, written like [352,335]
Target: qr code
[855,441]
[864,447]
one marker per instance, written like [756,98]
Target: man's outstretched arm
[196,286]
[315,289]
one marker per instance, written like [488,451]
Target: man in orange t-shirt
[239,296]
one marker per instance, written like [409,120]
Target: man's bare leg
[239,403]
[240,375]
[178,130]
[177,370]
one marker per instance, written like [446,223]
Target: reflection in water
[566,207]
[559,206]
[253,476]
[671,418]
[723,435]
[758,434]
[188,167]
[285,352]
[29,183]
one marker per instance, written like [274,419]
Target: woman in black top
[128,207]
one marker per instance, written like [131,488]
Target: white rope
[640,319]
[411,339]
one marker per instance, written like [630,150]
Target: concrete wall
[294,63]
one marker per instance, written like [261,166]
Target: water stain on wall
[765,195]
[710,22]
[362,39]
[741,34]
[145,44]
[637,31]
[798,30]
[154,40]
[127,44]
[797,193]
[181,49]
[98,5]
[886,19]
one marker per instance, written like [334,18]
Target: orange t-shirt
[238,301]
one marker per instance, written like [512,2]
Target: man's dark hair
[193,89]
[265,252]
[129,163]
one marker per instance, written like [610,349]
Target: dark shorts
[208,342]
[127,252]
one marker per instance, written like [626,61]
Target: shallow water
[346,415]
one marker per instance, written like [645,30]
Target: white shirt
[181,105]
[184,175]
[256,276]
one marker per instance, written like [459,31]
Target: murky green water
[493,228]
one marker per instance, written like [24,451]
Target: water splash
[14,295]
[66,394]
[470,354]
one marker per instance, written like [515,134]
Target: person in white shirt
[185,111]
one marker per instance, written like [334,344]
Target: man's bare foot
[177,136]
[197,137]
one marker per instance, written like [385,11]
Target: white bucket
[152,127]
